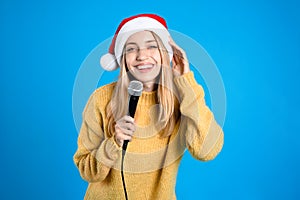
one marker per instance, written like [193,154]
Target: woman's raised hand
[124,129]
[180,63]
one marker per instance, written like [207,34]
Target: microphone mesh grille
[135,88]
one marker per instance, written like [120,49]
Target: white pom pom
[108,62]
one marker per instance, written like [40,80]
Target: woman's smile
[145,67]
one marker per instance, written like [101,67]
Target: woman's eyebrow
[150,41]
[133,43]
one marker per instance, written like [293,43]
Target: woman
[171,116]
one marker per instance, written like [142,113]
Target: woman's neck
[149,86]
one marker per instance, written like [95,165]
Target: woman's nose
[142,54]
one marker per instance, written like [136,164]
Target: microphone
[135,90]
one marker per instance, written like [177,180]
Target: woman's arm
[199,130]
[203,136]
[96,154]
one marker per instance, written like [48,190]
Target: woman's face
[143,57]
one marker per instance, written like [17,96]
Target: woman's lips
[145,68]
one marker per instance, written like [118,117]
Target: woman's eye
[152,47]
[130,49]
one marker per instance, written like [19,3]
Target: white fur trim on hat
[108,62]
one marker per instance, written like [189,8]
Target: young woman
[171,116]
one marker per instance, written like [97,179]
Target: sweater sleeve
[202,135]
[95,154]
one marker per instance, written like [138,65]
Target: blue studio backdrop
[255,46]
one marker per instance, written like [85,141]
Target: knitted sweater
[151,161]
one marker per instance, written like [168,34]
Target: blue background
[255,44]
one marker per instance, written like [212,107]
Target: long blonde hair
[168,112]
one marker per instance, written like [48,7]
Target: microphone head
[135,88]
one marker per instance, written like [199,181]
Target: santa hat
[129,26]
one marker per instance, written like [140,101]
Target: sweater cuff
[109,152]
[185,81]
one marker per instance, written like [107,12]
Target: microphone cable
[122,171]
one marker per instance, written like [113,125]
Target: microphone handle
[133,101]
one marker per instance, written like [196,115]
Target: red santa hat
[129,26]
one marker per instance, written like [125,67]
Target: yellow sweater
[151,162]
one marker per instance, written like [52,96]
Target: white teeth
[144,66]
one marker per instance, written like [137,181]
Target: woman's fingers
[127,118]
[179,52]
[124,129]
[180,62]
[126,123]
[122,136]
[127,130]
